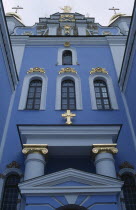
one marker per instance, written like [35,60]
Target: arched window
[11,191]
[68,99]
[67,57]
[34,95]
[101,94]
[129,190]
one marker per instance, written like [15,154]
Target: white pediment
[71,180]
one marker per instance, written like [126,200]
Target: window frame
[25,87]
[64,57]
[34,93]
[78,91]
[67,98]
[60,53]
[107,79]
[133,186]
[12,186]
[101,98]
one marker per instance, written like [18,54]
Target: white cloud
[33,9]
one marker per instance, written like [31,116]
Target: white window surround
[5,174]
[76,79]
[106,78]
[74,55]
[28,78]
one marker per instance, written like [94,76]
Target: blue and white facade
[61,165]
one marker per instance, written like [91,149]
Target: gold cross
[68,115]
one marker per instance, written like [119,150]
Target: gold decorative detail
[108,148]
[36,69]
[13,164]
[68,115]
[67,44]
[35,148]
[66,18]
[126,165]
[68,69]
[2,176]
[27,33]
[106,33]
[66,9]
[98,70]
[67,29]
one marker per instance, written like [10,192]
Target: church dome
[116,16]
[14,15]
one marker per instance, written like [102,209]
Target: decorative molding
[32,148]
[98,70]
[53,184]
[13,164]
[68,115]
[36,69]
[106,148]
[67,44]
[79,41]
[67,70]
[126,165]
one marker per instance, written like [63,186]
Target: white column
[104,160]
[35,160]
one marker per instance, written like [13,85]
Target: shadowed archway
[71,207]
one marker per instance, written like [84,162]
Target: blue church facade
[68,113]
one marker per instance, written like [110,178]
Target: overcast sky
[99,9]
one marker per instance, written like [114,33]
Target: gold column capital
[35,148]
[104,148]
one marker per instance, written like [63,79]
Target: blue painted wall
[130,92]
[5,93]
[88,57]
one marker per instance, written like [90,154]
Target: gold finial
[68,115]
[36,69]
[98,70]
[66,9]
[67,70]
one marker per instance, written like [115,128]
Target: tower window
[67,57]
[101,94]
[10,195]
[34,95]
[129,190]
[68,100]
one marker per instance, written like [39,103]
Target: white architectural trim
[28,78]
[60,53]
[55,41]
[52,184]
[78,92]
[73,140]
[106,78]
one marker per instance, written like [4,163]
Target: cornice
[51,41]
